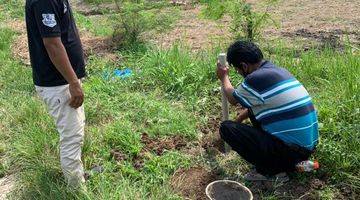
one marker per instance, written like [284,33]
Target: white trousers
[70,124]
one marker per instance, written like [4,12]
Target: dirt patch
[159,145]
[138,162]
[192,31]
[117,155]
[99,46]
[20,49]
[191,183]
[16,25]
[92,9]
[212,126]
[211,140]
[289,190]
[211,136]
[323,18]
[92,45]
[6,186]
[332,39]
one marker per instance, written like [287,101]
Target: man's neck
[256,66]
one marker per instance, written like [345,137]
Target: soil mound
[191,183]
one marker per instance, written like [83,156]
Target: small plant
[214,9]
[129,27]
[245,22]
[248,24]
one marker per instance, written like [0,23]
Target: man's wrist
[224,78]
[74,82]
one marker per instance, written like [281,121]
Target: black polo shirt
[52,18]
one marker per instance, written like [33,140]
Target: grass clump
[179,72]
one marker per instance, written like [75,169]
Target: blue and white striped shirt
[280,104]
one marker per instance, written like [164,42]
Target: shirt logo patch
[65,8]
[49,20]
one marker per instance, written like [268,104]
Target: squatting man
[284,128]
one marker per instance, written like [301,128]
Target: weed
[247,24]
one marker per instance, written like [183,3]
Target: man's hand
[222,71]
[243,115]
[77,95]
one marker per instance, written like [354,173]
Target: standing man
[58,65]
[285,126]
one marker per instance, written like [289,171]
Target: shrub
[245,22]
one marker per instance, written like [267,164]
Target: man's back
[46,19]
[281,105]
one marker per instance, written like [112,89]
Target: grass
[98,25]
[172,92]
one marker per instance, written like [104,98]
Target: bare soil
[160,145]
[88,9]
[307,22]
[99,46]
[211,140]
[6,186]
[193,31]
[117,155]
[191,183]
[92,45]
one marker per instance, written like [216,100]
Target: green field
[173,94]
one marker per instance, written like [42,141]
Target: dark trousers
[266,152]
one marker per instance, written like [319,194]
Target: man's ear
[244,66]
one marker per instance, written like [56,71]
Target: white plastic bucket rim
[207,192]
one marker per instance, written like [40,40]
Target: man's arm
[60,59]
[223,75]
[229,89]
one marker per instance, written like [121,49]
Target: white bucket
[228,190]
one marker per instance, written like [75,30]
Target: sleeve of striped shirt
[247,96]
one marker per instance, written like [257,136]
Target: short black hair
[244,51]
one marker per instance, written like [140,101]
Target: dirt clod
[317,184]
[117,155]
[138,164]
[191,183]
[159,145]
